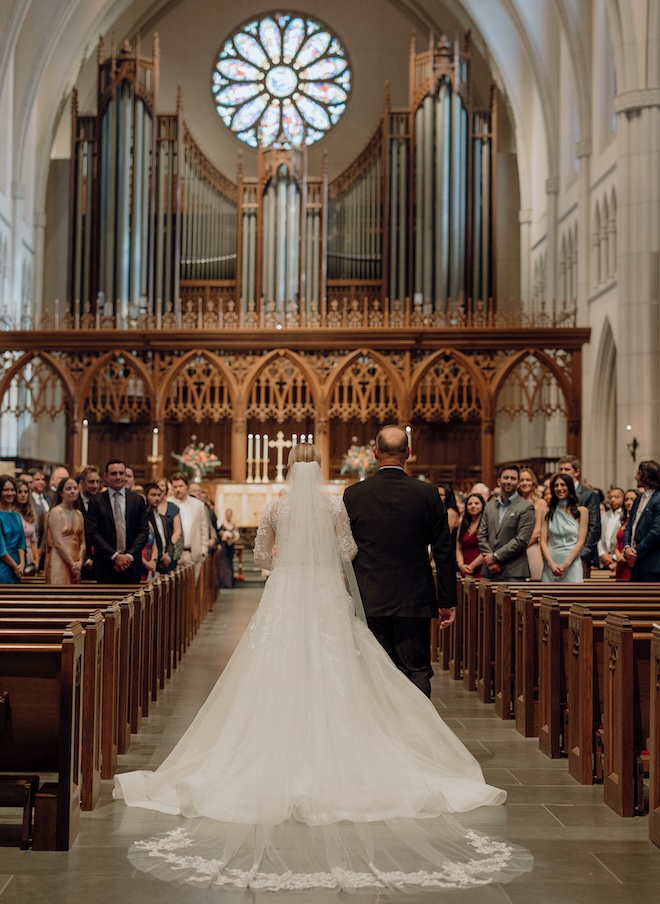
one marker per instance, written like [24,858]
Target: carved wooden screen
[532,389]
[36,389]
[447,390]
[118,393]
[198,392]
[364,390]
[279,392]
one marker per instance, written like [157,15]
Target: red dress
[470,547]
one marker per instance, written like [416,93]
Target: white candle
[310,438]
[250,454]
[409,434]
[264,476]
[303,438]
[294,440]
[84,444]
[257,447]
[154,443]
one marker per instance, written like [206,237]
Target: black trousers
[407,641]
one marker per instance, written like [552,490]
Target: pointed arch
[525,376]
[281,387]
[200,385]
[366,385]
[448,385]
[40,390]
[117,387]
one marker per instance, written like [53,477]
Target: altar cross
[280,444]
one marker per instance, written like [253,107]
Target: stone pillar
[526,288]
[583,151]
[552,192]
[638,277]
[488,474]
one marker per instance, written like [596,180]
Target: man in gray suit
[505,530]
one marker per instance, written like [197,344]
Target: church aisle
[583,852]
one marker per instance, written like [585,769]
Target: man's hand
[446,617]
[630,555]
[122,562]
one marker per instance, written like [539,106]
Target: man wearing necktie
[641,540]
[118,529]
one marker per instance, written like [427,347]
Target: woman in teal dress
[563,532]
[12,536]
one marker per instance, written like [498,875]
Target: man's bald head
[391,446]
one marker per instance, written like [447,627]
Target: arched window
[281,81]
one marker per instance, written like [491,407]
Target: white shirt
[610,522]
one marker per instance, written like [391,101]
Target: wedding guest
[563,533]
[168,509]
[129,483]
[641,541]
[446,493]
[59,473]
[151,551]
[229,534]
[622,572]
[528,487]
[505,530]
[25,509]
[610,522]
[12,537]
[163,551]
[194,523]
[468,555]
[65,536]
[570,465]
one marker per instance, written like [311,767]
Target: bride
[314,762]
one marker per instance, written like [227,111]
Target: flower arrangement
[359,460]
[197,459]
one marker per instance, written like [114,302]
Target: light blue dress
[562,537]
[12,538]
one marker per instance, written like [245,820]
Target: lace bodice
[276,511]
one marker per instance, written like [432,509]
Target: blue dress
[12,538]
[562,537]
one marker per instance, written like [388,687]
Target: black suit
[103,537]
[588,498]
[89,549]
[394,520]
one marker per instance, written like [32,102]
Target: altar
[248,500]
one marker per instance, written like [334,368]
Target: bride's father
[394,520]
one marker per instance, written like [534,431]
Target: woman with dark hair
[446,493]
[622,571]
[65,536]
[468,555]
[563,532]
[12,536]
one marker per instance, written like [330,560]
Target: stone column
[638,277]
[550,295]
[239,450]
[526,288]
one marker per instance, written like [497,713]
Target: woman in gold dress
[65,536]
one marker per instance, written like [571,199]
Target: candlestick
[84,444]
[257,457]
[409,435]
[310,437]
[154,442]
[294,440]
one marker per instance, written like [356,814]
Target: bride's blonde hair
[304,452]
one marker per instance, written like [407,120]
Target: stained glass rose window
[281,81]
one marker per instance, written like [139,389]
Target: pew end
[18,791]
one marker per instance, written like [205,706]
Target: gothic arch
[350,394]
[50,362]
[208,389]
[533,392]
[603,421]
[449,393]
[281,386]
[108,391]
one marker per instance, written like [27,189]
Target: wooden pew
[627,660]
[48,630]
[42,729]
[654,738]
[570,674]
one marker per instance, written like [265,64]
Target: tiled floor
[584,853]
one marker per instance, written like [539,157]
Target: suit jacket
[89,548]
[647,539]
[589,499]
[394,520]
[103,537]
[509,539]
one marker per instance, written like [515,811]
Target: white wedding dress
[314,763]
